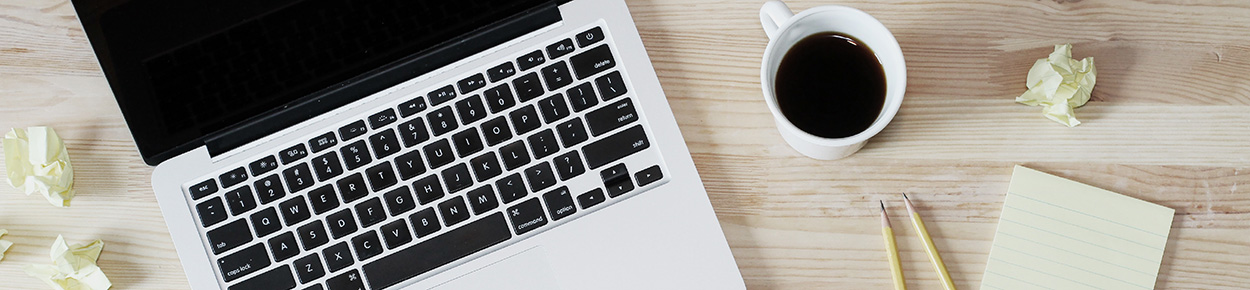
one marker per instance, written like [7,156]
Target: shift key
[615,147]
[611,117]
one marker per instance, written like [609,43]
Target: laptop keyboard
[455,171]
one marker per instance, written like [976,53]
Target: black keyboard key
[453,210]
[370,212]
[525,119]
[471,109]
[442,121]
[323,199]
[612,116]
[592,61]
[367,245]
[496,131]
[471,83]
[561,48]
[438,251]
[482,199]
[540,176]
[309,268]
[206,187]
[582,97]
[211,212]
[486,166]
[261,166]
[442,95]
[559,203]
[244,262]
[616,179]
[527,216]
[346,281]
[611,85]
[277,279]
[341,223]
[557,76]
[283,246]
[384,144]
[569,165]
[323,142]
[589,37]
[409,165]
[530,60]
[293,154]
[499,98]
[572,132]
[327,166]
[514,155]
[411,107]
[615,147]
[428,189]
[424,222]
[353,130]
[413,132]
[313,235]
[269,189]
[649,175]
[383,118]
[396,234]
[591,198]
[338,257]
[314,287]
[356,155]
[553,108]
[265,222]
[295,210]
[467,142]
[233,177]
[528,87]
[399,200]
[381,176]
[543,144]
[352,187]
[439,153]
[298,177]
[240,200]
[511,188]
[500,72]
[457,178]
[229,236]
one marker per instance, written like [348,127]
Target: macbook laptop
[395,144]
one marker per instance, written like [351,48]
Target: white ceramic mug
[784,29]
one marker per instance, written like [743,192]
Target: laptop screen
[181,69]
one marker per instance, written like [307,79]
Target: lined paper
[1055,233]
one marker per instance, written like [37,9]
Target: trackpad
[527,270]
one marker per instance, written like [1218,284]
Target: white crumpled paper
[36,161]
[1060,84]
[73,267]
[4,245]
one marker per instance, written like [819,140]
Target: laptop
[398,144]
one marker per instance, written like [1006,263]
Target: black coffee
[830,85]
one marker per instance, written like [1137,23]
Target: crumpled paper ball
[1060,84]
[36,161]
[73,267]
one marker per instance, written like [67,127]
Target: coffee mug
[784,29]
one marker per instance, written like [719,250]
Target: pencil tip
[882,204]
[905,197]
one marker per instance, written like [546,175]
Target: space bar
[438,251]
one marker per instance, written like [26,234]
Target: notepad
[1055,233]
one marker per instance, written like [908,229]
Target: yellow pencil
[891,250]
[928,246]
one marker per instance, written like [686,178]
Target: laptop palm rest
[524,271]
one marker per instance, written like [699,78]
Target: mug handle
[772,15]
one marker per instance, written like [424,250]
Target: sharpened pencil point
[882,204]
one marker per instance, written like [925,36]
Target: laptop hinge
[379,79]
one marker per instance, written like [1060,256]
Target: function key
[294,153]
[501,71]
[530,60]
[233,177]
[353,130]
[411,107]
[592,61]
[442,95]
[471,83]
[323,142]
[589,36]
[649,175]
[558,49]
[383,118]
[204,188]
[263,165]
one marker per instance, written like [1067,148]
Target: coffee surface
[830,85]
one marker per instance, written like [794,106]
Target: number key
[327,166]
[298,177]
[413,132]
[269,189]
[384,144]
[442,121]
[356,155]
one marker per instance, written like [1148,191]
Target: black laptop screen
[181,69]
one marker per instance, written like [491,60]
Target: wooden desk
[1169,122]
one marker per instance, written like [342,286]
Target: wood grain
[1167,123]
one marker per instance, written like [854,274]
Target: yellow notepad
[1055,233]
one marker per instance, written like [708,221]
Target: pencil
[928,246]
[891,250]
